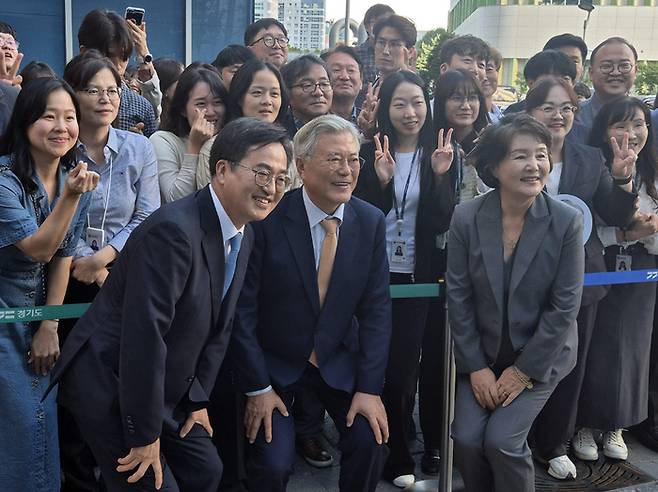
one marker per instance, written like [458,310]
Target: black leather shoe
[429,464]
[314,453]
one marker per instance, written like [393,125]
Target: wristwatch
[148,58]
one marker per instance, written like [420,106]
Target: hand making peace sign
[442,156]
[623,163]
[384,162]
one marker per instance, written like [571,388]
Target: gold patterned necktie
[326,264]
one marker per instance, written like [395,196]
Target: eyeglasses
[263,178]
[309,87]
[335,163]
[270,41]
[457,99]
[609,67]
[112,92]
[10,44]
[393,44]
[550,110]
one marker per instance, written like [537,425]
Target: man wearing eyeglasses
[268,39]
[138,369]
[613,69]
[309,90]
[315,314]
[395,36]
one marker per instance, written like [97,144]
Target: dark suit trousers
[270,464]
[189,465]
[409,317]
[556,423]
[309,413]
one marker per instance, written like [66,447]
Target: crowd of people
[236,226]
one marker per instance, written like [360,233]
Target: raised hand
[80,180]
[442,156]
[10,75]
[201,130]
[367,119]
[623,163]
[384,162]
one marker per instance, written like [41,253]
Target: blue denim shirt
[18,217]
[134,189]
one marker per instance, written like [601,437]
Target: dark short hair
[106,32]
[462,82]
[466,45]
[494,143]
[30,106]
[549,62]
[36,70]
[8,29]
[404,26]
[563,40]
[175,120]
[83,67]
[232,54]
[254,28]
[293,70]
[612,40]
[243,135]
[538,94]
[623,109]
[375,11]
[346,50]
[243,79]
[581,89]
[168,70]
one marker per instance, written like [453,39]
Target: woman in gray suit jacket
[515,277]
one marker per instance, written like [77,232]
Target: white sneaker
[584,446]
[561,468]
[404,481]
[614,446]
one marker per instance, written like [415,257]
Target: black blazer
[155,336]
[585,175]
[279,319]
[435,206]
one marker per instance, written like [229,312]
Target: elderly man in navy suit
[137,369]
[315,310]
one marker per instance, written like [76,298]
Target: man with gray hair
[315,311]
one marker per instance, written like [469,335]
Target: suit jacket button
[131,431]
[190,379]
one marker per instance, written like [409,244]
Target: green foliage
[520,84]
[428,50]
[647,78]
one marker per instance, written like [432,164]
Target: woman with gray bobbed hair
[515,275]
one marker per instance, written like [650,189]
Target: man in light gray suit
[515,274]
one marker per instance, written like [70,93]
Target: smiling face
[243,200]
[408,109]
[327,187]
[277,55]
[613,71]
[56,131]
[263,98]
[637,129]
[307,99]
[476,66]
[462,110]
[8,48]
[345,76]
[490,82]
[525,168]
[201,98]
[102,110]
[556,113]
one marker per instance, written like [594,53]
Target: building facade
[266,9]
[520,28]
[305,22]
[187,30]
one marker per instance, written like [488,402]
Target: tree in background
[428,50]
[647,78]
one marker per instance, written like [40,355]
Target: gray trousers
[491,448]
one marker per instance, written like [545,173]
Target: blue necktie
[231,261]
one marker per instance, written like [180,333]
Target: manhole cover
[592,476]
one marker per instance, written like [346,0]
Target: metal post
[445,472]
[347,22]
[188,32]
[68,29]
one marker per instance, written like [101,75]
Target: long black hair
[243,79]
[458,82]
[30,105]
[427,140]
[175,120]
[623,109]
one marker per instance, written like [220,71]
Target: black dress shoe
[313,452]
[429,464]
[647,436]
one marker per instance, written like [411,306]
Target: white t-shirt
[402,240]
[553,183]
